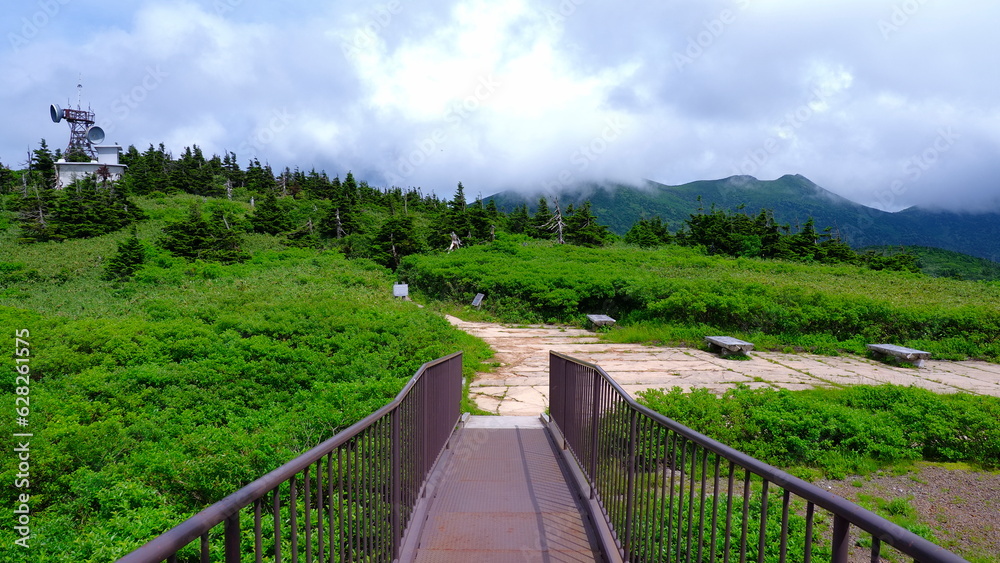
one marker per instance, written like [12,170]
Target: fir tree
[396,239]
[43,163]
[197,238]
[7,182]
[648,233]
[128,259]
[260,179]
[458,216]
[540,221]
[268,216]
[35,214]
[518,221]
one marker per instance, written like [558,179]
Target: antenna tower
[82,131]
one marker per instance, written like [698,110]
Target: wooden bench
[600,320]
[726,345]
[915,357]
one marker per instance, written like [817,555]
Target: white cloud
[513,93]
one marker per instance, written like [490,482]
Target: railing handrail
[892,534]
[184,533]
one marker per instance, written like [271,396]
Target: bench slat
[600,320]
[729,343]
[901,352]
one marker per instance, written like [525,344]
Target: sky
[890,103]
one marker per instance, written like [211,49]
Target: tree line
[383,224]
[737,234]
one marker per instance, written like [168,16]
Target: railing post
[630,486]
[557,394]
[424,432]
[594,414]
[397,496]
[841,539]
[231,538]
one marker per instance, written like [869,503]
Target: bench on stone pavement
[726,345]
[915,357]
[600,320]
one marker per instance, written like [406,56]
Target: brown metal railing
[348,499]
[671,494]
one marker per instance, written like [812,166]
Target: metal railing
[669,493]
[348,499]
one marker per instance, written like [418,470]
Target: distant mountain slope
[793,198]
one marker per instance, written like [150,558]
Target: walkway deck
[508,498]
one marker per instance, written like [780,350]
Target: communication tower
[85,138]
[83,134]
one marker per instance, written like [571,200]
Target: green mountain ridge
[793,198]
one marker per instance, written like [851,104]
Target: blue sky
[889,103]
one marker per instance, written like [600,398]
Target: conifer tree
[540,221]
[518,220]
[648,233]
[458,216]
[396,239]
[268,216]
[7,184]
[43,163]
[479,222]
[128,259]
[260,179]
[583,229]
[197,238]
[35,214]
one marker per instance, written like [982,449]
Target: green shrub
[845,431]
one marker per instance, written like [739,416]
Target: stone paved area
[520,385]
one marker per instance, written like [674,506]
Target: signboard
[400,290]
[478,300]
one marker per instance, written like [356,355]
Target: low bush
[841,431]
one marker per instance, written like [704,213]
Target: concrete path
[520,385]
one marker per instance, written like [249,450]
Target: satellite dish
[56,113]
[95,134]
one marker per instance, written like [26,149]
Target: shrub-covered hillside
[152,398]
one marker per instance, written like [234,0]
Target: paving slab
[519,386]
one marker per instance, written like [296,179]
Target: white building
[107,157]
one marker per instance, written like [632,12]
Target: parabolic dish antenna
[95,134]
[56,113]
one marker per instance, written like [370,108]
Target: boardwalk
[508,498]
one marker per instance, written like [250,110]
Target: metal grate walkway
[505,496]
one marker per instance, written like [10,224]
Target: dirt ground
[961,507]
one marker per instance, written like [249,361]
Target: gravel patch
[961,507]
